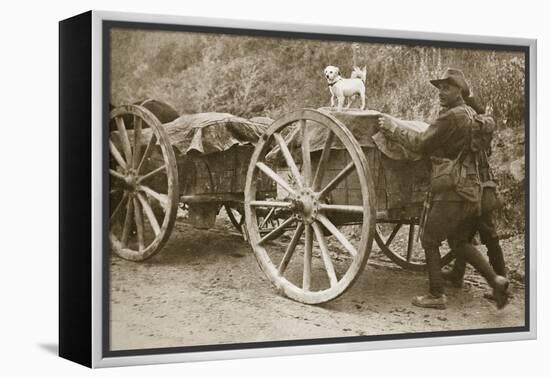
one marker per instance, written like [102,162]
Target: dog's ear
[364,69]
[337,70]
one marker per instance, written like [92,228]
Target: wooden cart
[314,191]
[196,162]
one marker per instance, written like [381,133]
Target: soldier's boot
[431,301]
[496,259]
[455,277]
[498,283]
[436,298]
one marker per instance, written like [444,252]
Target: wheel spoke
[149,213]
[139,224]
[393,233]
[306,156]
[137,141]
[277,231]
[116,154]
[287,139]
[127,222]
[282,204]
[288,157]
[147,151]
[322,166]
[275,177]
[118,175]
[336,180]
[337,234]
[308,251]
[291,248]
[119,206]
[267,218]
[160,197]
[325,255]
[124,140]
[343,208]
[153,172]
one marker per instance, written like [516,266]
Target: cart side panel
[406,185]
[219,173]
[401,181]
[349,191]
[400,186]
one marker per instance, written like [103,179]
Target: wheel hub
[305,206]
[131,180]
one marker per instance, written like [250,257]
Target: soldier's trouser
[471,255]
[488,234]
[433,263]
[496,257]
[487,231]
[446,220]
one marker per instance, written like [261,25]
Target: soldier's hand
[386,124]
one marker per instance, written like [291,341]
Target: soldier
[485,224]
[454,208]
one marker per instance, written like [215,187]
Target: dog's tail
[360,73]
[364,74]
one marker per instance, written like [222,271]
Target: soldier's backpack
[480,143]
[482,133]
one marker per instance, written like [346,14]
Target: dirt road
[205,287]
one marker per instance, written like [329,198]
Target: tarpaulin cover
[206,133]
[395,150]
[364,126]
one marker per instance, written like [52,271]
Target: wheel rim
[409,256]
[144,184]
[304,202]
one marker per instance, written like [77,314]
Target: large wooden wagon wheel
[318,259]
[144,184]
[410,256]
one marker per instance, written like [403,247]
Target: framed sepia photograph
[233,189]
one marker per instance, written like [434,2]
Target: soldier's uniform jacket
[446,137]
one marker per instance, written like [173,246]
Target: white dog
[341,88]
